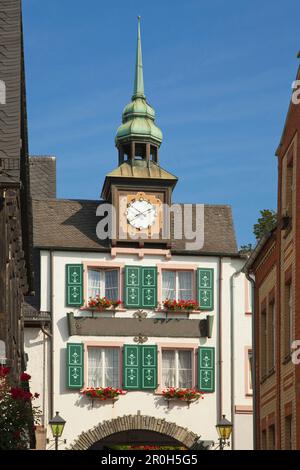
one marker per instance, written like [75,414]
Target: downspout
[49,336]
[232,354]
[252,281]
[220,356]
[51,413]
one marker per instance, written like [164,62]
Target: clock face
[141,214]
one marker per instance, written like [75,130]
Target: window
[250,370]
[103,367]
[288,318]
[288,433]
[177,285]
[272,335]
[177,368]
[103,282]
[263,344]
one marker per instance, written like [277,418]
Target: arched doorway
[138,439]
[143,430]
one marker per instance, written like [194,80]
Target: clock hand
[141,213]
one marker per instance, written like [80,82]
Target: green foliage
[246,249]
[265,223]
[17,413]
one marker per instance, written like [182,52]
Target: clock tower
[139,189]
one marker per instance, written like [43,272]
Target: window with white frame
[103,367]
[177,285]
[177,368]
[103,282]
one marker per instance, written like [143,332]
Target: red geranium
[25,377]
[4,371]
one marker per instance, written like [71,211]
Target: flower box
[186,395]
[103,394]
[102,304]
[184,306]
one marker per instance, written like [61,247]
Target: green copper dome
[138,116]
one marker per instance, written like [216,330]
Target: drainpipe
[220,356]
[250,279]
[51,412]
[232,354]
[49,336]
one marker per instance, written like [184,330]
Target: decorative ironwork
[140,315]
[140,339]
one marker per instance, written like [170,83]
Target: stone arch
[107,428]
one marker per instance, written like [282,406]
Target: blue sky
[218,74]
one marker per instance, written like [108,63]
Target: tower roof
[138,116]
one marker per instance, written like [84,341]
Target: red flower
[4,371]
[25,377]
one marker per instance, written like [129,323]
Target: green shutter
[74,285]
[140,287]
[132,286]
[149,287]
[75,366]
[206,363]
[149,367]
[206,289]
[140,367]
[131,367]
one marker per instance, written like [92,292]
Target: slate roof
[11,90]
[71,225]
[42,177]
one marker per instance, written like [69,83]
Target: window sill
[176,312]
[105,310]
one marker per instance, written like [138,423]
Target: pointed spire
[138,91]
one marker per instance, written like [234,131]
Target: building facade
[140,310]
[275,266]
[15,204]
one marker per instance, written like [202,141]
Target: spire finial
[138,91]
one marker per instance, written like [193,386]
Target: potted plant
[103,393]
[101,304]
[187,395]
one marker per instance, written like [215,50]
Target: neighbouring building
[15,205]
[156,338]
[275,266]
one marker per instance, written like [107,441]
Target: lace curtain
[184,288]
[94,278]
[177,368]
[103,367]
[169,285]
[103,282]
[111,285]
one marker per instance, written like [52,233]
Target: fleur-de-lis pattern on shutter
[206,289]
[74,285]
[140,367]
[75,365]
[206,360]
[140,287]
[149,367]
[131,367]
